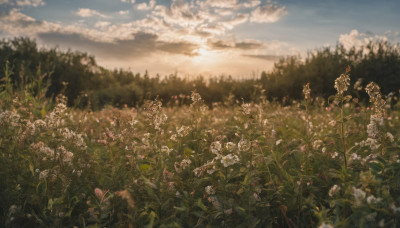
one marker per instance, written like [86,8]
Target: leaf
[188,151]
[201,205]
[144,167]
[43,112]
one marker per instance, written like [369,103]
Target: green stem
[342,135]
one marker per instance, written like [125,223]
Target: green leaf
[144,167]
[201,205]
[188,151]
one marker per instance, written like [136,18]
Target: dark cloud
[244,45]
[143,44]
[265,57]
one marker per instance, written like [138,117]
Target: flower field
[315,163]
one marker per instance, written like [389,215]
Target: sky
[198,37]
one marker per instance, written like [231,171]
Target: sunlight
[206,56]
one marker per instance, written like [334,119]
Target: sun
[205,56]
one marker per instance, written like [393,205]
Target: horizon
[238,38]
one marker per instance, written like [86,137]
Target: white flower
[335,189]
[215,147]
[335,154]
[166,150]
[43,174]
[278,142]
[230,146]
[317,144]
[390,136]
[229,160]
[355,157]
[210,190]
[332,123]
[373,200]
[342,83]
[359,196]
[244,145]
[325,225]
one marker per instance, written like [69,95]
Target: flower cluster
[342,83]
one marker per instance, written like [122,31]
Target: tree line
[86,84]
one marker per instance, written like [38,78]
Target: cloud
[250,4]
[16,23]
[230,4]
[128,1]
[235,21]
[145,6]
[265,57]
[34,3]
[357,39]
[267,13]
[4,2]
[85,12]
[123,12]
[244,45]
[141,45]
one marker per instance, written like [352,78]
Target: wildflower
[359,196]
[373,200]
[342,83]
[332,123]
[335,154]
[9,117]
[372,143]
[214,201]
[185,163]
[13,209]
[165,149]
[215,147]
[357,85]
[230,146]
[66,156]
[229,160]
[325,225]
[99,193]
[278,142]
[355,157]
[256,197]
[390,136]
[317,144]
[375,98]
[244,145]
[195,97]
[335,189]
[246,108]
[376,120]
[183,131]
[44,174]
[307,91]
[210,190]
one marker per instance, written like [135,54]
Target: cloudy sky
[191,37]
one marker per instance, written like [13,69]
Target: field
[314,163]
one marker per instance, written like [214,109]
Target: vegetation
[314,163]
[86,84]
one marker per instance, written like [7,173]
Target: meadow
[315,163]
